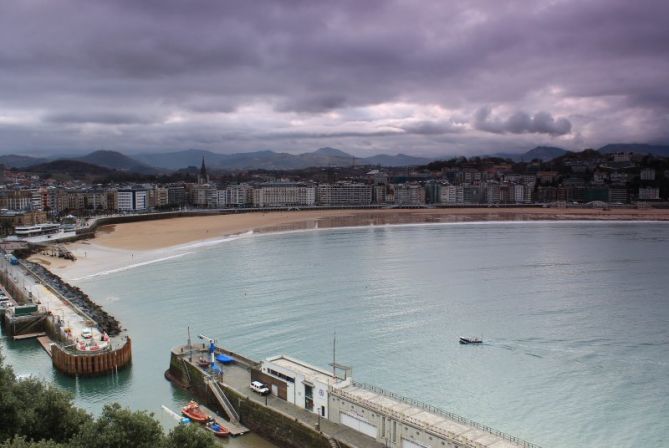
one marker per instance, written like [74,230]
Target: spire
[203,178]
[203,169]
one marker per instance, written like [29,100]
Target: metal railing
[434,410]
[222,399]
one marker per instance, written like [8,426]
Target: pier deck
[45,342]
[238,377]
[235,428]
[20,337]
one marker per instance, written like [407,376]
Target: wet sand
[147,235]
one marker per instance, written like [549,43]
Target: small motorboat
[224,359]
[470,340]
[192,411]
[218,429]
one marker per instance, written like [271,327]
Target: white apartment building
[235,195]
[492,193]
[130,200]
[344,193]
[518,192]
[204,195]
[283,195]
[452,194]
[409,194]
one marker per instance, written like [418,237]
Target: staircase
[222,399]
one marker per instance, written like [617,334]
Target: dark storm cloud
[431,128]
[160,73]
[98,118]
[520,123]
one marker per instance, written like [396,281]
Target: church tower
[203,177]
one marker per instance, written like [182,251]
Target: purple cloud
[233,74]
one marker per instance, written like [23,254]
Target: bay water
[574,318]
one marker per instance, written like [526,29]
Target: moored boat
[464,340]
[218,429]
[192,411]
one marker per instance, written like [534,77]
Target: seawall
[91,364]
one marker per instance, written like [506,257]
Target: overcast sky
[420,77]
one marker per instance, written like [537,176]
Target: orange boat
[192,411]
[218,429]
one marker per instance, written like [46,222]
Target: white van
[257,386]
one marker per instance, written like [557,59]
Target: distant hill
[543,153]
[117,161]
[638,148]
[271,160]
[73,168]
[397,160]
[16,161]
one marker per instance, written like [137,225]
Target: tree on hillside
[45,412]
[36,415]
[189,436]
[20,442]
[36,411]
[120,428]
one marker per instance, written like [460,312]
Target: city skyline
[378,77]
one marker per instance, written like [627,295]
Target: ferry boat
[464,340]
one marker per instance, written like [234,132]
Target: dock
[45,342]
[236,429]
[21,337]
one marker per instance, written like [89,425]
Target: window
[281,375]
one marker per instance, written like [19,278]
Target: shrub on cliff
[36,415]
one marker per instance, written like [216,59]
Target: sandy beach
[128,245]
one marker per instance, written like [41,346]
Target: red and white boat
[192,411]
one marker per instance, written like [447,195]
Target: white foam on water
[131,266]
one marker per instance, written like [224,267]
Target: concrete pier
[77,341]
[268,416]
[353,415]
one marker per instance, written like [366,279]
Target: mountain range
[543,153]
[271,160]
[154,163]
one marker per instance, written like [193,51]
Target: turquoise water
[575,318]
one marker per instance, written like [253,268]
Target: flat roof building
[387,418]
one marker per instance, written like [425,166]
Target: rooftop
[429,418]
[310,373]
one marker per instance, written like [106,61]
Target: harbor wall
[67,361]
[267,422]
[91,364]
[19,295]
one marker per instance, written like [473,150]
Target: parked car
[257,386]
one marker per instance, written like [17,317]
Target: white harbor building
[395,421]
